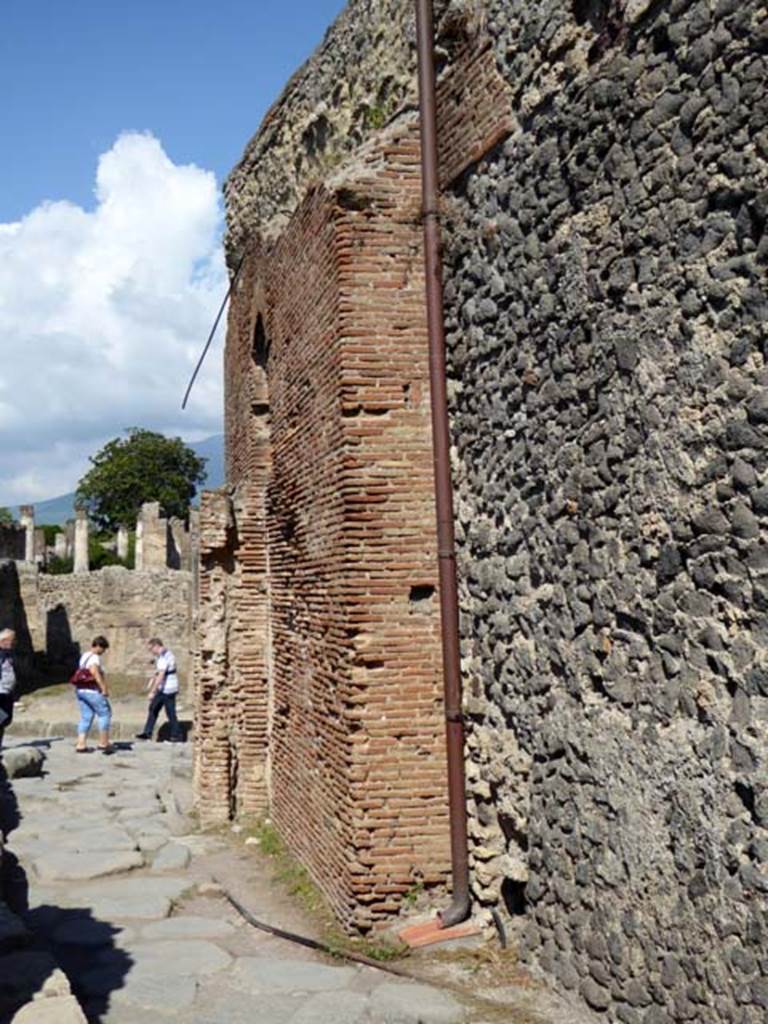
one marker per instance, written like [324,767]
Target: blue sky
[198,75]
[119,121]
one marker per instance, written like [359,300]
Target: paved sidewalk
[114,882]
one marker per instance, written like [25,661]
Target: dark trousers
[158,702]
[6,712]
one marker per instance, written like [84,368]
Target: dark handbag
[83,677]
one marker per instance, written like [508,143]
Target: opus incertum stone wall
[606,309]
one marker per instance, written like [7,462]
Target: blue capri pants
[92,704]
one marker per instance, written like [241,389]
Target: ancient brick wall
[606,310]
[332,543]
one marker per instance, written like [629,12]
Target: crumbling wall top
[360,76]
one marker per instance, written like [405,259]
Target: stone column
[122,542]
[138,558]
[40,545]
[27,520]
[153,529]
[81,541]
[60,545]
[69,533]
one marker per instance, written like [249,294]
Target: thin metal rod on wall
[201,360]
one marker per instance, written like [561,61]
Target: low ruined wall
[65,612]
[606,310]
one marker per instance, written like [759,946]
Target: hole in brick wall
[513,894]
[260,408]
[350,411]
[348,199]
[261,345]
[421,594]
[233,780]
[370,663]
[407,394]
[288,528]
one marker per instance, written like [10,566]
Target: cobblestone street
[113,881]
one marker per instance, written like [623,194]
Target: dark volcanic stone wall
[606,310]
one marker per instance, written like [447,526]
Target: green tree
[5,516]
[143,466]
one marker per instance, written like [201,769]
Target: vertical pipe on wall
[449,602]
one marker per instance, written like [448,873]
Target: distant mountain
[59,510]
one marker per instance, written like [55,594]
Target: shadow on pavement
[70,938]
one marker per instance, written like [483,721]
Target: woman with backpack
[93,696]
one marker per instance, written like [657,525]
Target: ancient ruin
[56,615]
[604,173]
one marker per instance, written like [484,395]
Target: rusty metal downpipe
[449,601]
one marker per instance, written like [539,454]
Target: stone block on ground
[22,762]
[56,1010]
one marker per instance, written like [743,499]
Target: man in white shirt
[163,687]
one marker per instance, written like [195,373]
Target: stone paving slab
[339,1007]
[188,928]
[170,957]
[266,975]
[81,866]
[397,1002]
[160,994]
[172,857]
[121,898]
[86,931]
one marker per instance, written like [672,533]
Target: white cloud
[103,314]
